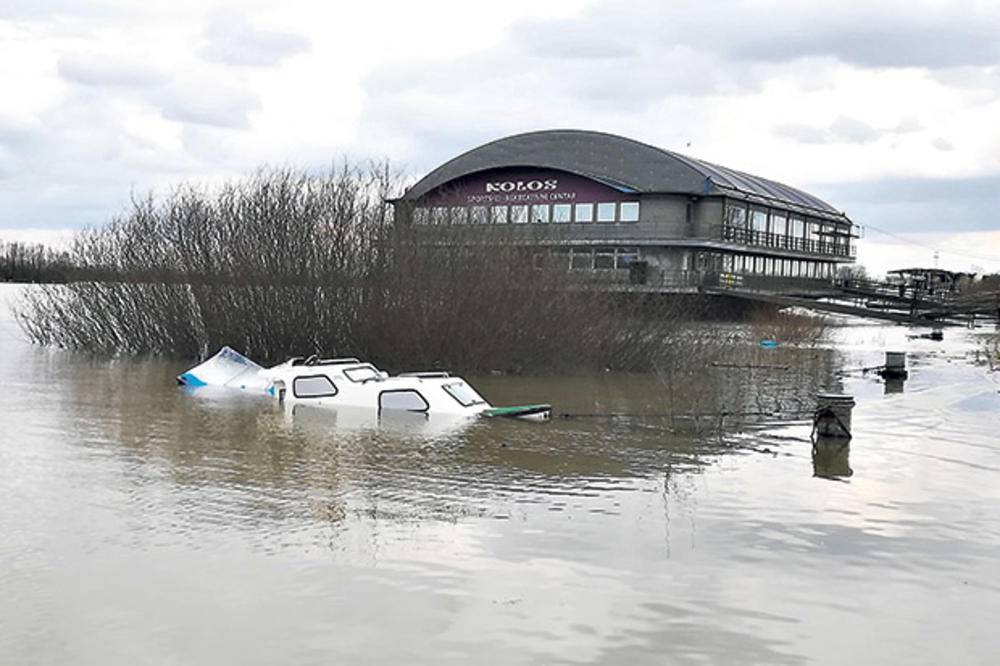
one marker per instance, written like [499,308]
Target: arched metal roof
[621,162]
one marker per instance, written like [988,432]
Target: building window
[630,211]
[479,215]
[606,212]
[314,386]
[562,212]
[540,214]
[779,223]
[499,214]
[420,216]
[581,259]
[584,212]
[459,215]
[758,219]
[519,214]
[736,215]
[604,258]
[439,215]
[626,256]
[813,228]
[797,227]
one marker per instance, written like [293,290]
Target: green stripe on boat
[520,410]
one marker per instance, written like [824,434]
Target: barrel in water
[895,365]
[833,415]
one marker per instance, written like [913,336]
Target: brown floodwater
[141,523]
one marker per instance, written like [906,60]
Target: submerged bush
[284,263]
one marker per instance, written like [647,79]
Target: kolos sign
[522,185]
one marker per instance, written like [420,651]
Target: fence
[782,241]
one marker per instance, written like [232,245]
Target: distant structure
[930,281]
[628,212]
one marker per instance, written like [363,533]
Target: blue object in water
[769,344]
[187,379]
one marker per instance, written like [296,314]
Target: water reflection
[894,385]
[831,458]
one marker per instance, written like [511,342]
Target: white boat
[350,382]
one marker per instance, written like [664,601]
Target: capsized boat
[349,382]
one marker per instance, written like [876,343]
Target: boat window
[313,386]
[361,373]
[464,394]
[404,399]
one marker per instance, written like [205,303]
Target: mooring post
[895,365]
[833,415]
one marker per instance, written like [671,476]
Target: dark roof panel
[619,161]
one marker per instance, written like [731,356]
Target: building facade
[609,205]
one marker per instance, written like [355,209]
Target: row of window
[582,213]
[597,258]
[321,386]
[756,265]
[740,215]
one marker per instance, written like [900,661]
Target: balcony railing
[696,280]
[785,242]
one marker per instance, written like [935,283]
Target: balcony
[784,242]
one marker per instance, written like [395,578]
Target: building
[929,281]
[626,210]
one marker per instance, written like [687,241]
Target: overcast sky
[888,110]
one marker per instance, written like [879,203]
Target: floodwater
[143,524]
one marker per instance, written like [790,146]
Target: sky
[887,110]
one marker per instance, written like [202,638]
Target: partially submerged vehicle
[349,382]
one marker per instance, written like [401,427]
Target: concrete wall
[707,221]
[665,215]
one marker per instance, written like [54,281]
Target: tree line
[284,263]
[26,262]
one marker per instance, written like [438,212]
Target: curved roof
[617,161]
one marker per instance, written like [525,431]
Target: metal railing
[702,279]
[785,242]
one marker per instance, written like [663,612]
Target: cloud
[943,144]
[576,40]
[208,101]
[231,40]
[906,205]
[894,33]
[842,130]
[116,70]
